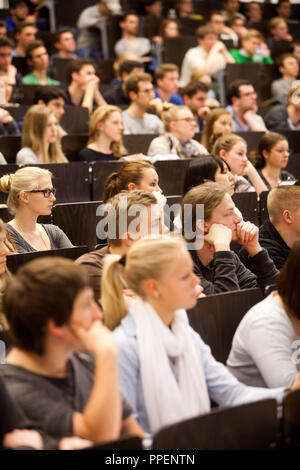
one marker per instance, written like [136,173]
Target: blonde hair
[169,113]
[226,142]
[208,136]
[146,259]
[34,135]
[280,199]
[25,179]
[100,115]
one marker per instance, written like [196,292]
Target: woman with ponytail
[166,371]
[131,176]
[179,127]
[105,135]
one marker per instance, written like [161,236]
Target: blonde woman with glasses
[31,194]
[179,127]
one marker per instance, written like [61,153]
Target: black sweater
[227,273]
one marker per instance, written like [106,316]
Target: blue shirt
[174,99]
[223,387]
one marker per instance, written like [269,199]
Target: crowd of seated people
[101,346]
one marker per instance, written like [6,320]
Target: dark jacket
[226,272]
[269,239]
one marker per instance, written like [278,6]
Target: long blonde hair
[100,115]
[25,179]
[34,135]
[146,259]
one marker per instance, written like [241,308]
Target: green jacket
[30,79]
[255,59]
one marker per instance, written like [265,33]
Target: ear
[41,102]
[287,216]
[24,197]
[265,154]
[132,187]
[132,95]
[99,126]
[206,226]
[55,330]
[222,154]
[152,288]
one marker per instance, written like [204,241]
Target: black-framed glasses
[46,192]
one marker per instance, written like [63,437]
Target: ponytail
[111,187]
[112,286]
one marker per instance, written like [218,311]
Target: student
[138,222]
[62,390]
[285,116]
[8,72]
[253,49]
[233,149]
[31,194]
[116,95]
[289,69]
[129,41]
[105,135]
[210,54]
[270,159]
[38,59]
[40,141]
[166,370]
[25,35]
[280,231]
[166,78]
[18,13]
[208,168]
[219,268]
[131,176]
[136,120]
[264,350]
[55,99]
[243,107]
[179,126]
[218,123]
[194,96]
[83,85]
[65,44]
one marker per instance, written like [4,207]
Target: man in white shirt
[210,55]
[136,120]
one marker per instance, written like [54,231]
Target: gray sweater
[262,353]
[58,239]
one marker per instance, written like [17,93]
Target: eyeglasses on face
[46,192]
[187,119]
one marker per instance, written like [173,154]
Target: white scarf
[168,400]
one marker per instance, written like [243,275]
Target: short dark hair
[280,60]
[76,65]
[234,89]
[287,281]
[193,87]
[32,46]
[214,12]
[6,42]
[203,169]
[48,93]
[58,34]
[128,65]
[43,289]
[236,16]
[132,82]
[128,13]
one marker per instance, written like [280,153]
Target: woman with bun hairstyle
[40,140]
[233,149]
[218,123]
[179,127]
[270,159]
[31,194]
[167,372]
[209,168]
[105,135]
[132,175]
